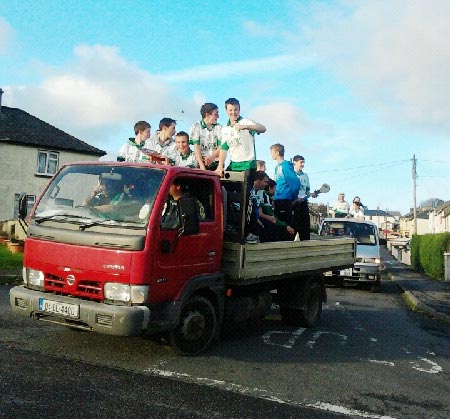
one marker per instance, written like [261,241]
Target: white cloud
[6,35]
[393,54]
[96,95]
[232,68]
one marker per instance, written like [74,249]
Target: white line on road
[264,394]
[435,368]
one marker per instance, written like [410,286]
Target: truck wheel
[196,327]
[309,316]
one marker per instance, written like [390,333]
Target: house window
[47,162]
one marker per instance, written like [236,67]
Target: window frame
[47,154]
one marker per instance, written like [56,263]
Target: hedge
[427,253]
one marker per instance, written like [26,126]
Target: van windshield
[362,232]
[100,195]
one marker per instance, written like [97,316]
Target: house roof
[382,213]
[420,213]
[444,208]
[19,127]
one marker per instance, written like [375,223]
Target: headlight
[33,278]
[372,260]
[136,294]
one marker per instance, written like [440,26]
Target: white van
[367,268]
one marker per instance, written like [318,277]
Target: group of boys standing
[281,203]
[211,142]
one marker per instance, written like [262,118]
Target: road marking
[317,335]
[435,368]
[293,336]
[346,411]
[376,361]
[261,393]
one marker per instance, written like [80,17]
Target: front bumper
[96,317]
[362,272]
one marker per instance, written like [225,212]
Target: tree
[431,203]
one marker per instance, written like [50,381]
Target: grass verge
[10,260]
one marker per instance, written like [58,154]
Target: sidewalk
[427,294]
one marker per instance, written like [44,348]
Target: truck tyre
[309,315]
[196,327]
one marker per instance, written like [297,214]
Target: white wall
[18,165]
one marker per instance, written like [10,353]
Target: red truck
[120,268]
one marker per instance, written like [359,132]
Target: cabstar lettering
[114,267]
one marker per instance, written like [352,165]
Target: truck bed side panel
[268,260]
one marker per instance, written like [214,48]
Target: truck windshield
[362,232]
[100,195]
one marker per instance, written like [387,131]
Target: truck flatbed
[250,263]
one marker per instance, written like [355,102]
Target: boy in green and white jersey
[184,156]
[131,151]
[238,136]
[205,136]
[162,141]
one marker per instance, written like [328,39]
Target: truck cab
[367,268]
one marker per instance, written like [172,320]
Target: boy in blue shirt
[288,185]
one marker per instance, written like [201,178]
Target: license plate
[61,309]
[347,272]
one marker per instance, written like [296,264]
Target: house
[439,218]
[31,151]
[385,220]
[407,223]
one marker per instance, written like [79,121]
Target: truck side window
[200,189]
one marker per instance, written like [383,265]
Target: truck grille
[86,288]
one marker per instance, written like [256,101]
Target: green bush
[427,253]
[415,248]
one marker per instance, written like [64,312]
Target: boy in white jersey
[184,156]
[162,141]
[205,136]
[238,136]
[131,151]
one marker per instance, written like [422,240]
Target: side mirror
[23,210]
[189,217]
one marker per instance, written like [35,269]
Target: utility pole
[414,176]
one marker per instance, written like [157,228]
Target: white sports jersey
[167,149]
[241,144]
[185,161]
[208,139]
[131,152]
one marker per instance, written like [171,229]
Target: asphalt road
[370,357]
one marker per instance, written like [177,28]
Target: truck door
[195,254]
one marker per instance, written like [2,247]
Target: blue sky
[356,87]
